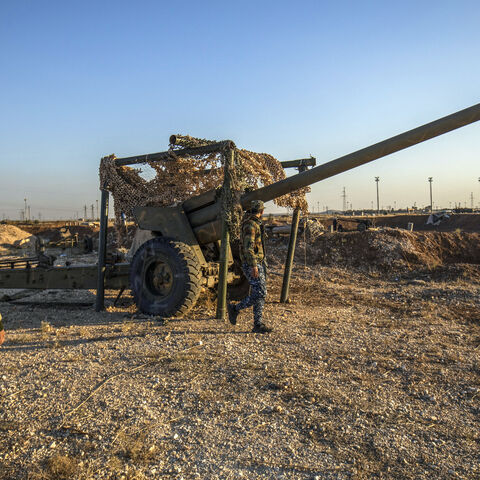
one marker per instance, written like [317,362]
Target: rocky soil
[369,373]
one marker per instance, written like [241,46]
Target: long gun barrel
[365,155]
[205,218]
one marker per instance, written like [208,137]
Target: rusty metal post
[102,252]
[225,245]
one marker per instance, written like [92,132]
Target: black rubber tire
[186,283]
[361,227]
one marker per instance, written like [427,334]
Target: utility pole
[98,217]
[29,216]
[471,200]
[430,180]
[377,179]
[344,195]
[84,212]
[25,209]
[93,215]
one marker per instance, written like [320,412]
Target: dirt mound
[59,233]
[9,234]
[391,249]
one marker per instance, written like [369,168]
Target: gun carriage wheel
[165,277]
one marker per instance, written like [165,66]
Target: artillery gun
[189,246]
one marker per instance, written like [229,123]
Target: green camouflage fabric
[252,252]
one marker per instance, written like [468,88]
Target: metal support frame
[102,251]
[284,298]
[301,162]
[172,154]
[224,246]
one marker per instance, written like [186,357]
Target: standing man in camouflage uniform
[252,255]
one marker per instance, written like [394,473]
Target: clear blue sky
[80,80]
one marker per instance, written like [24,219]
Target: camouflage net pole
[229,214]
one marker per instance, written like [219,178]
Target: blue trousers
[258,292]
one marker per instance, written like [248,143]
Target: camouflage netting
[179,178]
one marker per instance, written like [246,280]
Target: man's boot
[232,313]
[261,328]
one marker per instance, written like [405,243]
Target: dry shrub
[207,302]
[47,327]
[115,464]
[133,446]
[61,467]
[8,425]
[128,326]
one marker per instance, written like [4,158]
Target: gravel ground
[365,376]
